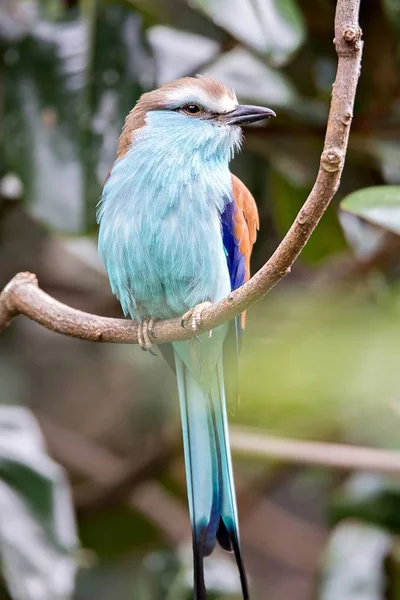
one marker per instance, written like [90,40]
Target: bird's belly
[180,262]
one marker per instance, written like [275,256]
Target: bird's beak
[245,114]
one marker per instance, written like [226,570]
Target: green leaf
[379,206]
[274,28]
[354,563]
[37,527]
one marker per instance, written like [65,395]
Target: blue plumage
[167,238]
[236,260]
[160,232]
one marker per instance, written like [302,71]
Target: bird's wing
[247,221]
[240,223]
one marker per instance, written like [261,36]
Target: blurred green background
[321,354]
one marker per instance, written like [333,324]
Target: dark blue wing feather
[235,259]
[237,272]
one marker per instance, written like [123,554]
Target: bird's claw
[145,335]
[193,320]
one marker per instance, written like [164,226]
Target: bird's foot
[193,320]
[145,335]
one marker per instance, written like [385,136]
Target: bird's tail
[209,475]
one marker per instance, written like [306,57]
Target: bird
[176,231]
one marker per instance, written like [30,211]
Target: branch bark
[23,296]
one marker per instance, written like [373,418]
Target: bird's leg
[145,333]
[192,319]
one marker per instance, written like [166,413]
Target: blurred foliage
[37,528]
[372,497]
[354,563]
[379,206]
[311,366]
[320,358]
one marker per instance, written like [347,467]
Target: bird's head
[193,112]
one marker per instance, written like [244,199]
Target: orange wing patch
[247,221]
[246,224]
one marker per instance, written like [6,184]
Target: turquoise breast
[160,230]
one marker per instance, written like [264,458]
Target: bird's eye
[192,109]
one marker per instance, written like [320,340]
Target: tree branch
[250,442]
[23,296]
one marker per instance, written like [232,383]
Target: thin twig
[22,295]
[336,456]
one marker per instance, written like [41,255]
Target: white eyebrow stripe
[186,94]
